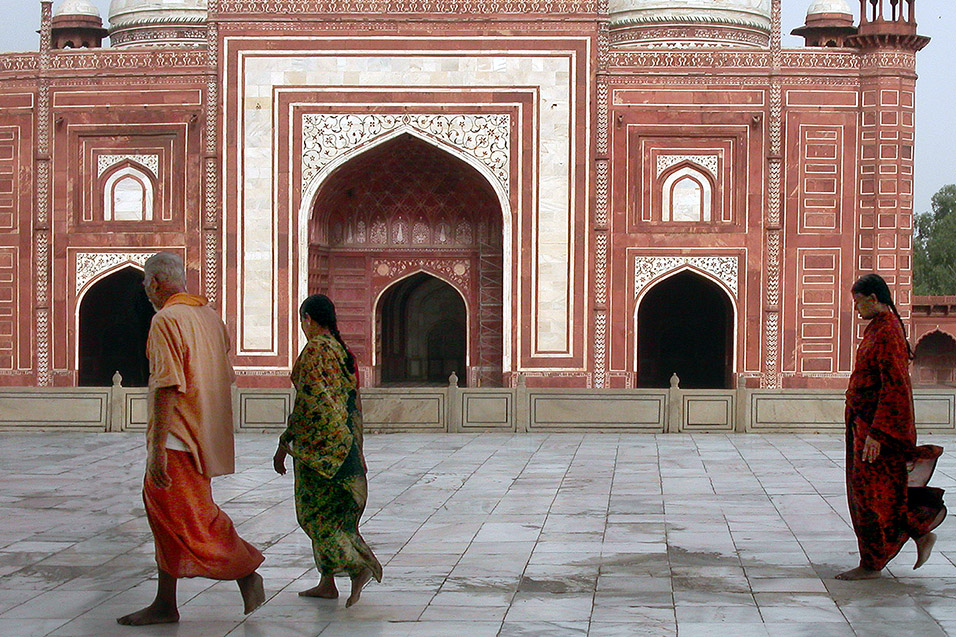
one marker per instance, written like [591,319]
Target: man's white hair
[165,267]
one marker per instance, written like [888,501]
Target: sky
[936,87]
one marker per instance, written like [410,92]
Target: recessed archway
[685,327]
[404,205]
[114,318]
[934,360]
[423,332]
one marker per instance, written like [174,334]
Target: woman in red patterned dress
[886,473]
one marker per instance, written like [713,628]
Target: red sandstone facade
[570,178]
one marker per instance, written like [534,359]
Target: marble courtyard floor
[532,534]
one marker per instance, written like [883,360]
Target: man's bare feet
[859,573]
[253,594]
[152,614]
[325,589]
[358,583]
[924,547]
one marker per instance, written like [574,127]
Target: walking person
[886,473]
[324,438]
[189,440]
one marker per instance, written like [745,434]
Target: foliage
[934,245]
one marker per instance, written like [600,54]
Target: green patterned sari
[324,438]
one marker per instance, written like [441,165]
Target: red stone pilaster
[602,204]
[773,232]
[41,219]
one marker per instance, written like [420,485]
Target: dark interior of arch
[423,335]
[685,326]
[114,322]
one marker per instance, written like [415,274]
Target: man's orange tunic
[888,498]
[188,350]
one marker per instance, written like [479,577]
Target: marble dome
[143,22]
[77,7]
[829,6]
[690,22]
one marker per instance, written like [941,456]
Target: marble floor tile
[483,535]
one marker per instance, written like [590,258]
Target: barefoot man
[189,440]
[886,473]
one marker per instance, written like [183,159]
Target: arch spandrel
[93,266]
[482,140]
[651,269]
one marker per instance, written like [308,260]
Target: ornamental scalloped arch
[935,330]
[724,286]
[406,275]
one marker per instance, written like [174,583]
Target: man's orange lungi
[193,536]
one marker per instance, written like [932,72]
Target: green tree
[934,245]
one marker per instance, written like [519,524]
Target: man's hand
[278,460]
[156,467]
[871,449]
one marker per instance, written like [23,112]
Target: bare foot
[358,583]
[152,614]
[323,591]
[253,594]
[924,547]
[859,573]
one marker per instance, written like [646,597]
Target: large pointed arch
[311,191]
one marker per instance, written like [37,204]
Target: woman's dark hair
[320,309]
[873,283]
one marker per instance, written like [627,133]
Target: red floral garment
[888,498]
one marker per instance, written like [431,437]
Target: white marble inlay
[484,137]
[105,162]
[89,265]
[706,161]
[646,269]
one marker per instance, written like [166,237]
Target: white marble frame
[557,118]
[731,294]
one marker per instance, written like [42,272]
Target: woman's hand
[871,449]
[278,460]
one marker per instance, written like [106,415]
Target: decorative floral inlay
[484,137]
[707,161]
[453,270]
[646,269]
[90,264]
[105,162]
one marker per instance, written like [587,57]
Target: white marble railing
[519,409]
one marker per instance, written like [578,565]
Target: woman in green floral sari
[324,438]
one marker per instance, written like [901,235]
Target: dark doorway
[114,322]
[422,327]
[934,361]
[685,326]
